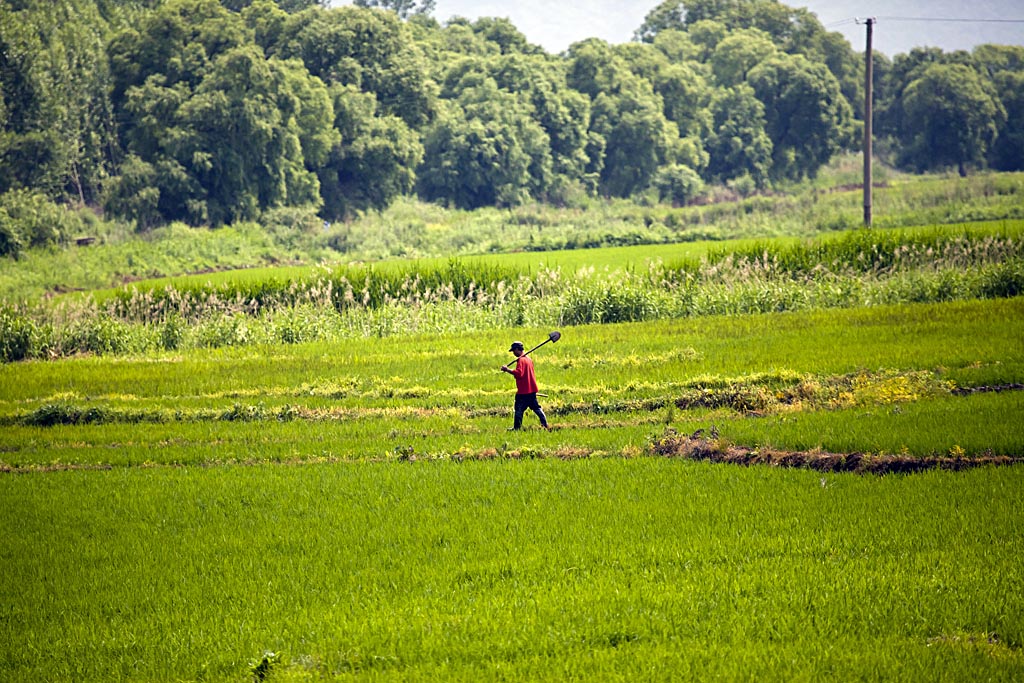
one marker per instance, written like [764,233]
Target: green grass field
[417,230]
[614,569]
[233,496]
[795,380]
[358,512]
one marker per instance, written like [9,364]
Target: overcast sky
[556,24]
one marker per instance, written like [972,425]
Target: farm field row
[855,269]
[411,229]
[881,380]
[970,427]
[971,343]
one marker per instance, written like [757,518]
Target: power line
[959,20]
[858,20]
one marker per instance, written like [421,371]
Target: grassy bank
[412,230]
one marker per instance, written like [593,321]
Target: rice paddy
[723,496]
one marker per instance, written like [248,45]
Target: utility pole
[868,69]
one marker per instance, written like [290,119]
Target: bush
[53,414]
[18,336]
[1003,280]
[10,243]
[744,185]
[172,333]
[298,324]
[678,184]
[292,226]
[225,330]
[134,195]
[618,303]
[30,219]
[102,335]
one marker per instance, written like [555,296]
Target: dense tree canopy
[806,116]
[956,117]
[55,115]
[486,150]
[372,162]
[1008,154]
[737,142]
[217,111]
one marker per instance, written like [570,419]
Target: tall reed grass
[862,268]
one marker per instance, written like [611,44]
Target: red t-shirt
[526,381]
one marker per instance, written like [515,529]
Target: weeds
[262,669]
[20,336]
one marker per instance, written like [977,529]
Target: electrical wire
[841,22]
[858,20]
[960,20]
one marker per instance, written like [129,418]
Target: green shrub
[64,414]
[292,226]
[34,220]
[244,413]
[225,330]
[678,184]
[18,336]
[134,195]
[296,325]
[172,333]
[744,185]
[1003,279]
[10,243]
[102,335]
[610,303]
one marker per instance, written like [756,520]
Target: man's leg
[521,406]
[535,406]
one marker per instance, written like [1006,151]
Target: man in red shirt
[526,387]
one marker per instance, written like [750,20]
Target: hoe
[553,337]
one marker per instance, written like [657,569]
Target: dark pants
[524,401]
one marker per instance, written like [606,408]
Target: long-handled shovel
[553,337]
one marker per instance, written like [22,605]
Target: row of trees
[214,112]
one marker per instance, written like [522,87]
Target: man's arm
[517,373]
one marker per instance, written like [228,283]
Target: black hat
[516,345]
